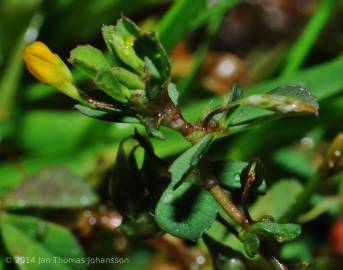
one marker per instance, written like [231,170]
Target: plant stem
[173,118]
[224,200]
[228,205]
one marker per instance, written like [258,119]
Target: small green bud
[121,46]
[107,82]
[128,78]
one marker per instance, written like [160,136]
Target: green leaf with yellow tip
[120,41]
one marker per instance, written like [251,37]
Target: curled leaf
[281,232]
[186,211]
[251,244]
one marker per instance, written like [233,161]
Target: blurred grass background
[262,44]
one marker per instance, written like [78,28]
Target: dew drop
[168,198]
[200,259]
[41,229]
[115,221]
[237,177]
[307,142]
[337,153]
[21,203]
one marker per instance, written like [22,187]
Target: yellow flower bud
[49,68]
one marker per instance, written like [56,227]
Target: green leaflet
[128,78]
[89,60]
[228,173]
[189,159]
[110,84]
[186,212]
[107,115]
[120,40]
[173,93]
[281,232]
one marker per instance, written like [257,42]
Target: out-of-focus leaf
[126,187]
[34,238]
[10,74]
[223,257]
[186,212]
[300,249]
[51,188]
[296,160]
[182,18]
[83,163]
[321,207]
[228,173]
[61,132]
[202,50]
[133,195]
[111,116]
[277,200]
[251,244]
[80,13]
[281,232]
[307,39]
[186,161]
[89,60]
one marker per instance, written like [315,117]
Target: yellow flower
[49,68]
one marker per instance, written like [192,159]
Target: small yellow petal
[40,50]
[49,68]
